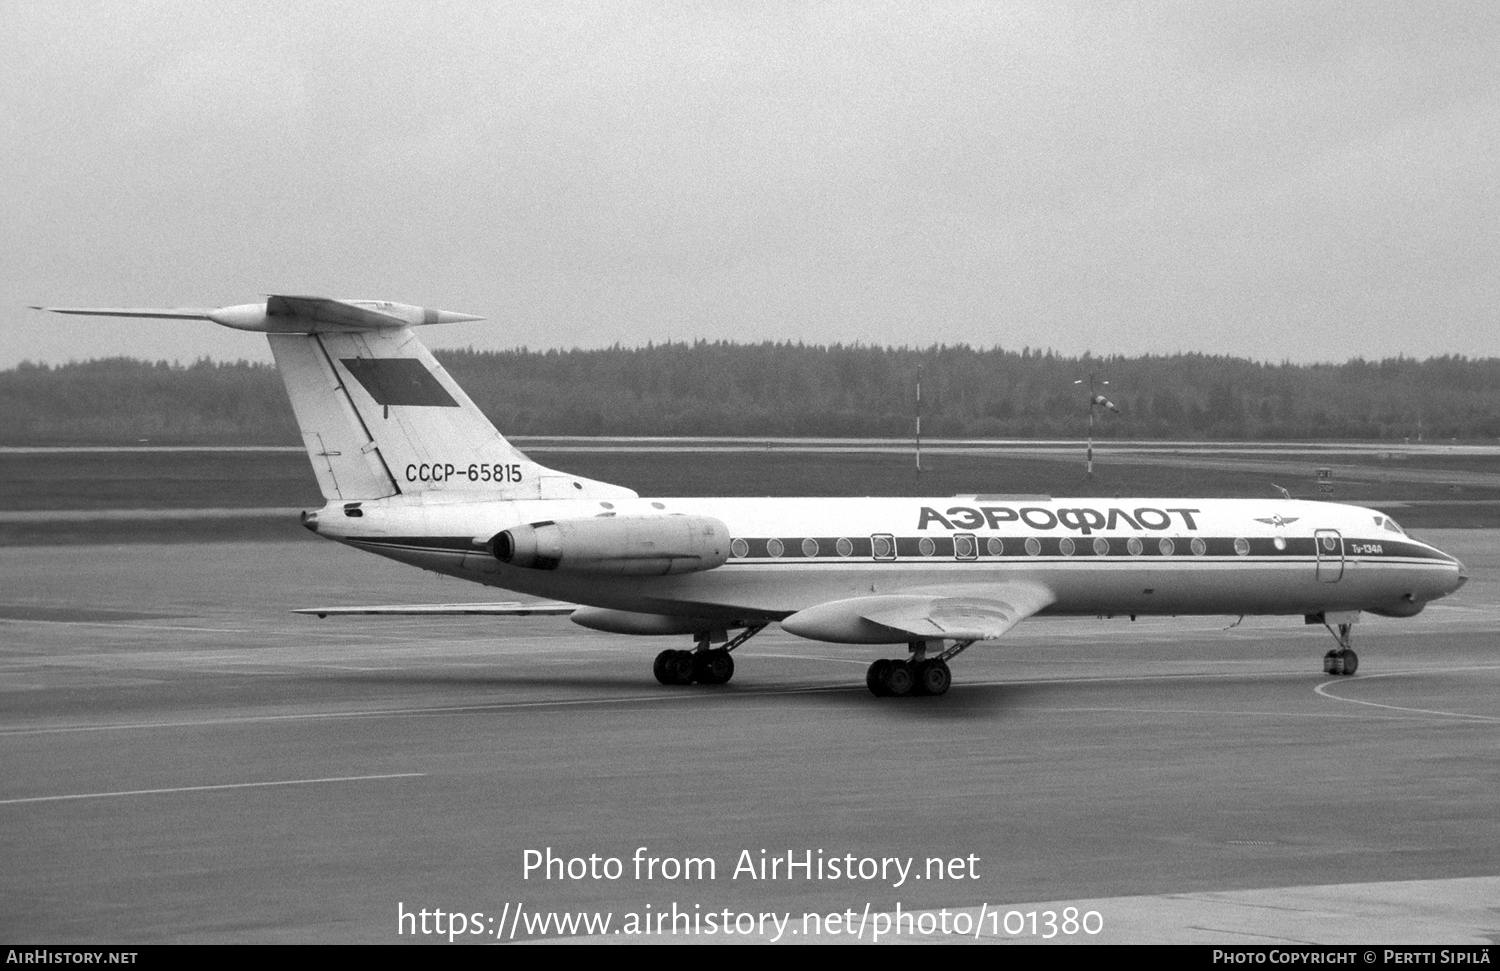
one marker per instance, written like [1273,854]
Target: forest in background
[787,389]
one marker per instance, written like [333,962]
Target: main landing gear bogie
[704,665]
[919,675]
[694,667]
[892,678]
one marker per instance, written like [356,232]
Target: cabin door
[1330,555]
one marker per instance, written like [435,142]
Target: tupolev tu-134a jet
[412,470]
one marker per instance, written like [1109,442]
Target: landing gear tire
[875,678]
[934,678]
[712,667]
[674,667]
[1343,662]
[899,679]
[659,666]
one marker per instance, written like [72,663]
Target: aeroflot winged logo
[1278,520]
[1080,519]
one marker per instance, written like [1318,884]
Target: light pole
[1095,399]
[919,422]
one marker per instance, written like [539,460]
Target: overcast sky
[1304,181]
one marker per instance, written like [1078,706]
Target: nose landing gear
[1340,662]
[1342,659]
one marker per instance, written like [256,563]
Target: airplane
[412,470]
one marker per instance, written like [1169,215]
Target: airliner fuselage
[1096,556]
[413,470]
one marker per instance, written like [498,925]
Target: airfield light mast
[1095,400]
[919,421]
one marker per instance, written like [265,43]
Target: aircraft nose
[1463,574]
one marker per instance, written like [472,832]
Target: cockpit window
[1390,524]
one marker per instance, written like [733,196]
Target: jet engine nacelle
[617,545]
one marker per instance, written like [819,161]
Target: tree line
[793,389]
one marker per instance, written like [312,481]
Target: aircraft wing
[972,616]
[511,609]
[954,618]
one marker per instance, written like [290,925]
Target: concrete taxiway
[185,761]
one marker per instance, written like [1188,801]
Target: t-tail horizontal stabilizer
[379,415]
[293,315]
[173,313]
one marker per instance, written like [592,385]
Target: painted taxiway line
[664,697]
[393,712]
[1455,913]
[231,785]
[841,687]
[122,625]
[1320,689]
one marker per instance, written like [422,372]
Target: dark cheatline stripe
[909,548]
[944,547]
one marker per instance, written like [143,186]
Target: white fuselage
[1097,556]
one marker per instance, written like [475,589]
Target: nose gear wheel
[1342,660]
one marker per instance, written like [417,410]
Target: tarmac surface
[183,760]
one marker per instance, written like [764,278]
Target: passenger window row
[967,546]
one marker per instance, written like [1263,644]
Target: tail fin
[380,416]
